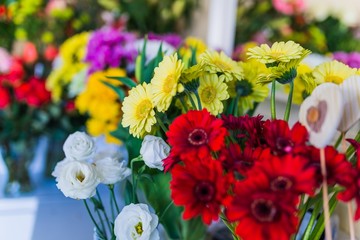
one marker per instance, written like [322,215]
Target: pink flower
[289,7]
[5,62]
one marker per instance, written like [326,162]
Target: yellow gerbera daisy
[211,92]
[165,83]
[334,71]
[191,73]
[279,52]
[138,110]
[219,63]
[247,89]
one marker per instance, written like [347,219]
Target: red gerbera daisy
[287,174]
[245,128]
[201,188]
[261,213]
[352,190]
[196,133]
[170,161]
[337,167]
[234,159]
[282,140]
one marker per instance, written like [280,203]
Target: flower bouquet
[198,154]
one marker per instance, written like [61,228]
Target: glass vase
[18,155]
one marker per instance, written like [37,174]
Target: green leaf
[121,133]
[125,80]
[133,146]
[193,229]
[97,203]
[320,225]
[147,177]
[118,90]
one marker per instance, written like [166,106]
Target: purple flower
[351,59]
[170,38]
[109,47]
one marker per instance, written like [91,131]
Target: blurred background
[56,54]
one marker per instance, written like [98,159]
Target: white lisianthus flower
[59,166]
[111,170]
[79,146]
[77,179]
[153,151]
[135,221]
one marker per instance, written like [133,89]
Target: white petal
[350,89]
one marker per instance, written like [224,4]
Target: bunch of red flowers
[16,87]
[24,103]
[250,172]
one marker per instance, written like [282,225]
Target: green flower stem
[112,208]
[111,187]
[103,210]
[289,102]
[192,101]
[236,108]
[198,99]
[183,103]
[93,219]
[138,159]
[166,209]
[272,100]
[161,124]
[101,221]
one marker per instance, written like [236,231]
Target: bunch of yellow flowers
[101,104]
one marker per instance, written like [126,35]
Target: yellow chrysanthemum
[279,52]
[97,127]
[165,83]
[138,110]
[192,43]
[101,103]
[211,92]
[219,63]
[247,89]
[334,71]
[304,84]
[96,92]
[71,52]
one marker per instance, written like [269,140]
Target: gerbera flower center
[169,83]
[208,94]
[316,115]
[333,79]
[284,145]
[281,183]
[80,176]
[264,210]
[143,109]
[243,88]
[198,137]
[138,228]
[204,191]
[222,65]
